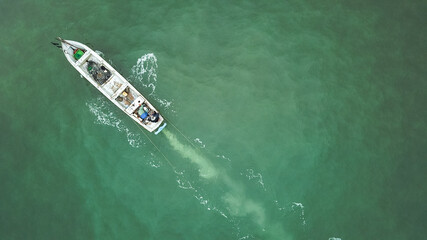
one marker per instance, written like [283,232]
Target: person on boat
[142,113]
[154,116]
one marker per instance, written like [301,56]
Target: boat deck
[114,86]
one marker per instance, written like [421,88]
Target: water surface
[294,120]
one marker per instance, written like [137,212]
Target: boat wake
[295,206]
[251,175]
[101,109]
[238,205]
[144,72]
[206,169]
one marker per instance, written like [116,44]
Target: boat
[113,85]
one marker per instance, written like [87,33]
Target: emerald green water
[305,120]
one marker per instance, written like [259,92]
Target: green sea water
[293,120]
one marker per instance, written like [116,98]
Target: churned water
[287,120]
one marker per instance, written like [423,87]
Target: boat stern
[160,128]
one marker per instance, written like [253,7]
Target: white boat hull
[115,87]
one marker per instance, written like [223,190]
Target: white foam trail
[163,102]
[237,202]
[293,207]
[220,212]
[334,238]
[184,184]
[280,208]
[152,162]
[199,195]
[299,205]
[202,200]
[105,117]
[145,73]
[197,140]
[250,174]
[101,54]
[245,237]
[240,205]
[223,157]
[206,169]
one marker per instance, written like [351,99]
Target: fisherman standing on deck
[147,114]
[142,113]
[154,116]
